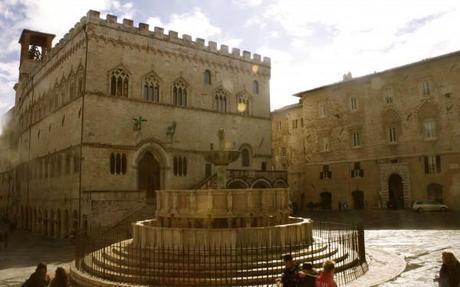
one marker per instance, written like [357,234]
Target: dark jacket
[289,278]
[37,279]
[449,276]
[307,281]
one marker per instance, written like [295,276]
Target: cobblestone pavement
[419,238]
[25,250]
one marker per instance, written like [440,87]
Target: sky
[310,42]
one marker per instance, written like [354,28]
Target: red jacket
[325,280]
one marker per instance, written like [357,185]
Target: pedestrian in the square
[307,276]
[290,272]
[326,277]
[39,278]
[449,275]
[60,278]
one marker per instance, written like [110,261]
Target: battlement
[159,33]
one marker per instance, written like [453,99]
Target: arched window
[180,93]
[221,101]
[245,161]
[255,87]
[152,88]
[207,77]
[180,166]
[118,163]
[119,83]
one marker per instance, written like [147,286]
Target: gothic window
[357,171]
[388,95]
[180,166]
[179,91]
[325,173]
[221,101]
[118,163]
[429,128]
[426,87]
[119,83]
[353,104]
[255,87]
[245,158]
[392,135]
[356,139]
[152,88]
[243,104]
[432,164]
[207,77]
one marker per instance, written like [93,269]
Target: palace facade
[114,112]
[382,140]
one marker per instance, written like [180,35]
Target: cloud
[247,3]
[197,24]
[327,38]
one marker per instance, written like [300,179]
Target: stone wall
[390,99]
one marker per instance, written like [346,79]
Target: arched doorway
[326,200]
[358,199]
[434,192]
[148,176]
[395,192]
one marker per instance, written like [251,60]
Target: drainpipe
[81,128]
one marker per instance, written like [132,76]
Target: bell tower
[35,47]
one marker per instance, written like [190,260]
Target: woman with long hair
[449,275]
[60,278]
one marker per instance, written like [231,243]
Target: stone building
[385,139]
[114,112]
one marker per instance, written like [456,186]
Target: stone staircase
[124,228]
[123,262]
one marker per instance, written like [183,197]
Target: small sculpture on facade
[138,123]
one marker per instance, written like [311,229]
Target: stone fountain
[216,236]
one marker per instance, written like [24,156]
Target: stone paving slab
[383,266]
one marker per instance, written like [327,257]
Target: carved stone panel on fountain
[222,208]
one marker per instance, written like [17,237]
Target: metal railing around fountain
[112,258]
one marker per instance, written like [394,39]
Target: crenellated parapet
[127,25]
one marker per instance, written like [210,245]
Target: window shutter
[426,164]
[438,163]
[361,172]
